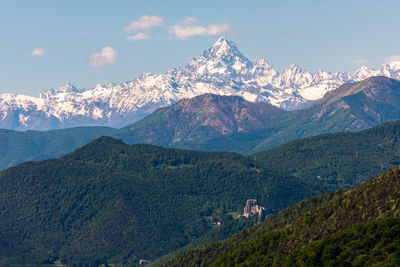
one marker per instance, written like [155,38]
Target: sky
[45,44]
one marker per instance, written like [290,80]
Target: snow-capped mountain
[221,69]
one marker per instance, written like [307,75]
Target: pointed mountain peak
[294,69]
[363,70]
[222,47]
[67,88]
[222,43]
[222,59]
[362,73]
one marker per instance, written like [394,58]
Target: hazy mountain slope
[202,118]
[222,69]
[17,147]
[108,202]
[351,107]
[355,227]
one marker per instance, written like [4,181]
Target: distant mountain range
[223,123]
[221,70]
[230,123]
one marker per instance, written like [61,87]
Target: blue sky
[46,44]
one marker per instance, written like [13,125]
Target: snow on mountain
[221,69]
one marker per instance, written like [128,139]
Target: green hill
[108,202]
[17,147]
[339,160]
[357,227]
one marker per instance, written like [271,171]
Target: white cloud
[360,61]
[217,29]
[185,29]
[38,52]
[144,23]
[189,21]
[138,37]
[107,55]
[184,32]
[392,58]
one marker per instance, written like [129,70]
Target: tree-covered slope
[17,147]
[357,227]
[340,160]
[179,193]
[108,202]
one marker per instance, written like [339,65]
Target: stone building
[252,208]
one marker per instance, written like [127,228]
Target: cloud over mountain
[190,27]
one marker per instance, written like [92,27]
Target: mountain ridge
[224,123]
[202,117]
[221,69]
[187,125]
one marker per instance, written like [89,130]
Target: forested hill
[109,202]
[357,227]
[339,160]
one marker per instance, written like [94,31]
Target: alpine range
[221,70]
[123,144]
